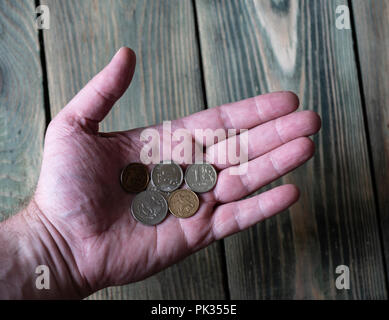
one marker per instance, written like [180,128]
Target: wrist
[28,240]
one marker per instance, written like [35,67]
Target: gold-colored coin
[183,203]
[135,177]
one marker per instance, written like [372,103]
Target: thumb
[96,99]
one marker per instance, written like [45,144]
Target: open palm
[82,202]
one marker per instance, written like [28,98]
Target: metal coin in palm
[135,177]
[167,176]
[200,177]
[149,207]
[183,203]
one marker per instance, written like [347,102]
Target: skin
[78,222]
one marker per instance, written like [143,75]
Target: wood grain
[22,117]
[372,32]
[251,47]
[83,37]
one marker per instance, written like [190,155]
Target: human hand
[81,204]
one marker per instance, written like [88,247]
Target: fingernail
[117,52]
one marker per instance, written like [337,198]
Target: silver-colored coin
[149,207]
[200,177]
[167,176]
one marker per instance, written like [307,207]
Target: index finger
[244,114]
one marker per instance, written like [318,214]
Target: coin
[149,207]
[200,177]
[183,203]
[135,177]
[167,176]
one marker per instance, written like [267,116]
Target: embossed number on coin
[167,176]
[135,177]
[183,203]
[200,177]
[149,207]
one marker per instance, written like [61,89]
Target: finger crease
[258,109]
[236,214]
[244,183]
[213,233]
[278,131]
[215,195]
[261,211]
[110,98]
[225,118]
[275,166]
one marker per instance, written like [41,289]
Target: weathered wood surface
[22,116]
[372,34]
[250,47]
[83,36]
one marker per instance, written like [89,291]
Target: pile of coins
[153,201]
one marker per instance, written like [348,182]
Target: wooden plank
[251,47]
[372,31]
[167,84]
[22,116]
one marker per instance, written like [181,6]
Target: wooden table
[197,54]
